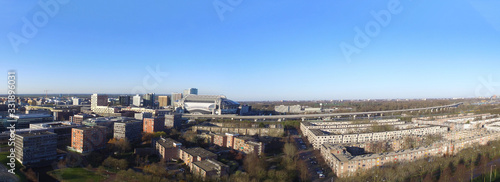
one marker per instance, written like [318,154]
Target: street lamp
[491,169]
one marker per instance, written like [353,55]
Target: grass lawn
[4,160]
[75,175]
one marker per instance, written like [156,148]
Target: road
[303,116]
[307,154]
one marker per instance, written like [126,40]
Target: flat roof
[90,127]
[38,115]
[168,142]
[209,165]
[36,133]
[198,151]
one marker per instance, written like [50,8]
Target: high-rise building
[124,100]
[62,129]
[148,100]
[152,125]
[175,97]
[173,121]
[88,139]
[191,91]
[76,101]
[163,101]
[36,147]
[98,100]
[137,100]
[131,130]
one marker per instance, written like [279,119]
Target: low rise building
[248,145]
[209,169]
[189,155]
[220,140]
[168,148]
[344,163]
[319,133]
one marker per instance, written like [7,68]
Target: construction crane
[46,93]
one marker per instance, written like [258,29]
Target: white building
[137,100]
[76,101]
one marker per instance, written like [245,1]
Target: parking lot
[315,164]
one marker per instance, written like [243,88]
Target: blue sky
[261,50]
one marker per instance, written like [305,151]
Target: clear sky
[255,50]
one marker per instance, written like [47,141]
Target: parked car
[321,175]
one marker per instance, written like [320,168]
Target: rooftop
[198,151]
[23,116]
[209,165]
[37,133]
[168,142]
[90,128]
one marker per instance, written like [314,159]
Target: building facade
[152,125]
[36,148]
[89,138]
[137,100]
[124,100]
[173,121]
[168,148]
[148,100]
[98,100]
[163,101]
[130,130]
[189,155]
[209,169]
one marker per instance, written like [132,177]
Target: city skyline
[276,50]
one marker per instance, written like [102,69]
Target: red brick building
[195,154]
[88,139]
[151,125]
[220,140]
[168,148]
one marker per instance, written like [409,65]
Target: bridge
[324,116]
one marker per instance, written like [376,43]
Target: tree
[101,170]
[115,163]
[122,145]
[146,137]
[159,134]
[290,150]
[303,171]
[156,170]
[255,166]
[445,175]
[31,175]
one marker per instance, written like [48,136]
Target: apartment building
[209,169]
[344,163]
[88,139]
[318,136]
[168,148]
[189,155]
[154,124]
[130,130]
[36,148]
